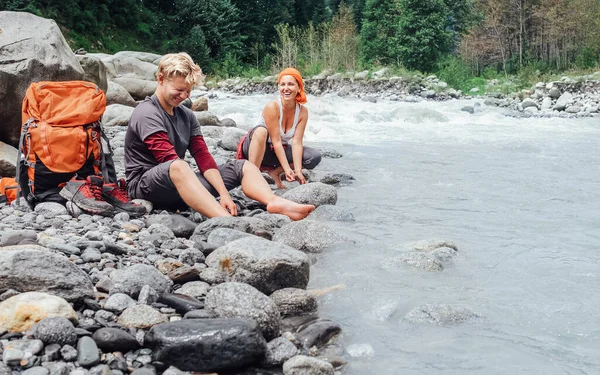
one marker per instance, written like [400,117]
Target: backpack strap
[20,155]
[108,176]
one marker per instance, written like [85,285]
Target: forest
[460,40]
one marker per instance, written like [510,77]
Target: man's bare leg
[193,193]
[255,187]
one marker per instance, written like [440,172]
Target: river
[520,198]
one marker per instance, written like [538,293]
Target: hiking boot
[87,195]
[116,194]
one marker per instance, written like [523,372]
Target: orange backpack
[61,137]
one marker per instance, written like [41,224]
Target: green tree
[378,35]
[423,33]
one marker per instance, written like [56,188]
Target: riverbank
[567,97]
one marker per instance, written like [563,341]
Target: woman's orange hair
[301,97]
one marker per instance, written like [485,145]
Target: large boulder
[8,160]
[131,280]
[120,65]
[32,49]
[94,71]
[239,300]
[42,271]
[142,56]
[207,345]
[117,94]
[138,88]
[267,266]
[231,137]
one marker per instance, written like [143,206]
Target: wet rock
[420,261]
[234,299]
[303,365]
[316,193]
[309,236]
[87,352]
[244,224]
[317,332]
[42,271]
[181,303]
[292,301]
[266,265]
[55,330]
[131,280]
[440,314]
[141,316]
[207,345]
[337,178]
[279,350]
[114,340]
[181,226]
[20,312]
[331,213]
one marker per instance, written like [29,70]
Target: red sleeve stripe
[199,151]
[160,146]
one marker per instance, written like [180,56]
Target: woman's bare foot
[293,210]
[276,176]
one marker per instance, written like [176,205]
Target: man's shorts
[155,184]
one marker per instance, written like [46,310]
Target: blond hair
[180,65]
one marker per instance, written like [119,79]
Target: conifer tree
[378,35]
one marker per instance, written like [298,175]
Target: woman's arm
[271,116]
[298,146]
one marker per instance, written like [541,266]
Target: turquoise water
[519,197]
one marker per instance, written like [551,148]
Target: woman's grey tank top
[285,137]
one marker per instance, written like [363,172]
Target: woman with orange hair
[275,143]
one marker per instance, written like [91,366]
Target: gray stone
[318,332]
[8,160]
[233,299]
[195,289]
[266,265]
[33,270]
[440,314]
[420,261]
[114,340]
[331,213]
[128,66]
[276,220]
[142,56]
[141,316]
[546,103]
[316,193]
[18,350]
[136,87]
[117,94]
[37,370]
[336,178]
[294,301]
[279,350]
[55,330]
[554,93]
[200,104]
[117,115]
[222,236]
[57,368]
[179,225]
[207,345]
[207,118]
[147,295]
[528,102]
[94,71]
[131,280]
[573,109]
[13,237]
[118,302]
[91,255]
[303,365]
[309,236]
[215,132]
[244,224]
[69,353]
[38,53]
[561,103]
[231,137]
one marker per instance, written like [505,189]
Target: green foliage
[378,35]
[456,73]
[422,35]
[588,57]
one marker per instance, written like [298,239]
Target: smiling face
[288,88]
[172,91]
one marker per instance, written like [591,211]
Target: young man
[159,133]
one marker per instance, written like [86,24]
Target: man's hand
[227,203]
[300,177]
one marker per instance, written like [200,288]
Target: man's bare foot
[293,210]
[276,176]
